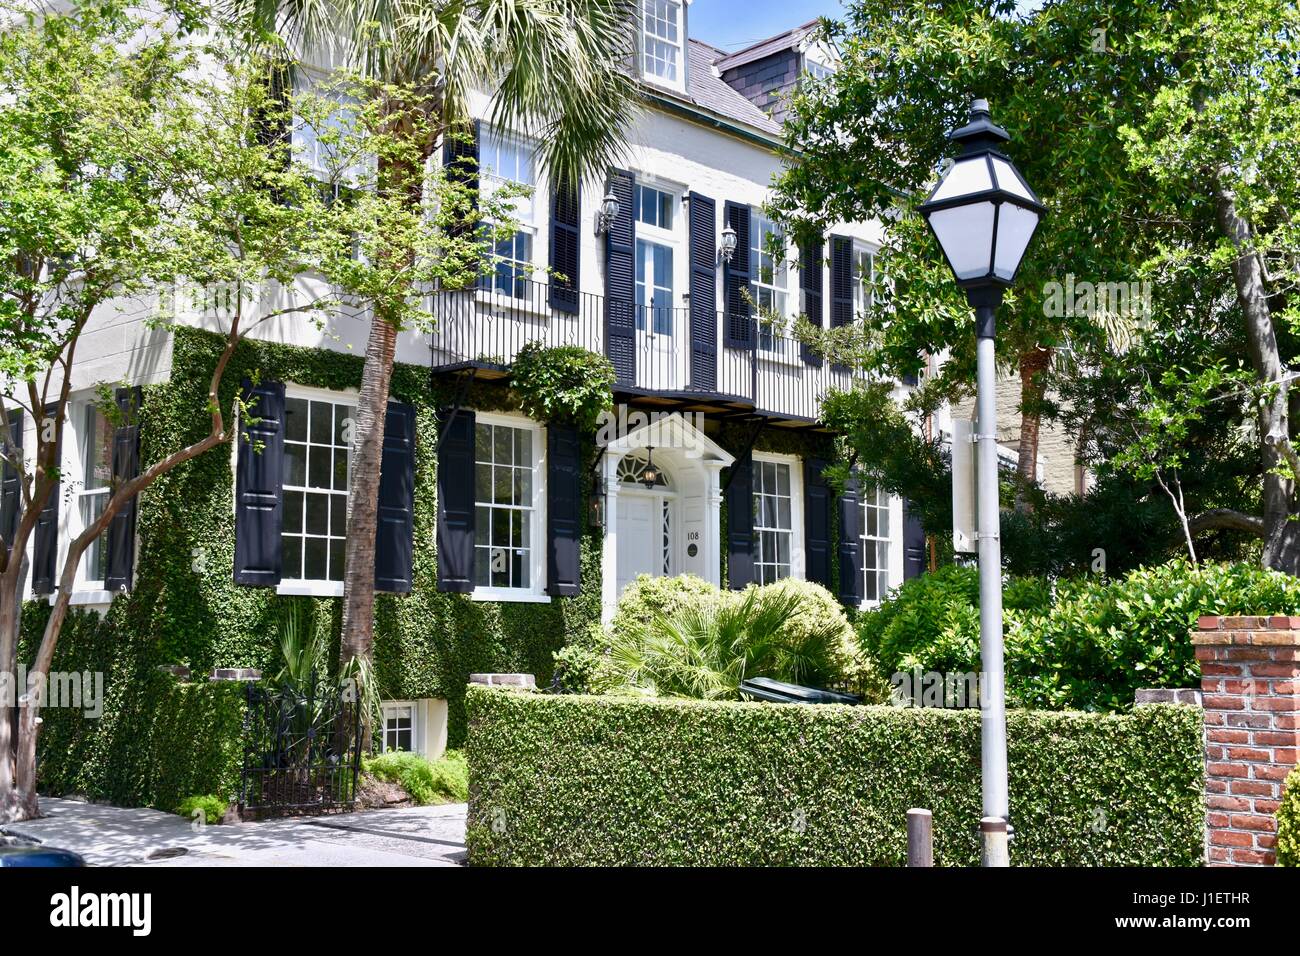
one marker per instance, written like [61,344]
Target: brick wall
[1250,683]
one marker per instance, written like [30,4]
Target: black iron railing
[652,346]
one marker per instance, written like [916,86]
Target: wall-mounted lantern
[607,213]
[728,243]
[596,507]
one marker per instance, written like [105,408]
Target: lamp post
[983,213]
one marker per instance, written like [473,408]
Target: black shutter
[703,293]
[817,523]
[11,488]
[841,286]
[566,216]
[45,543]
[620,281]
[850,545]
[740,523]
[259,478]
[563,510]
[456,503]
[810,281]
[914,549]
[460,165]
[120,545]
[739,326]
[841,281]
[395,516]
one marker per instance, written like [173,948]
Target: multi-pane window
[504,159]
[513,265]
[818,71]
[767,261]
[503,496]
[97,475]
[399,727]
[653,207]
[874,521]
[661,43]
[653,211]
[317,459]
[654,287]
[864,275]
[773,521]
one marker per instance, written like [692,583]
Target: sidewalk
[114,836]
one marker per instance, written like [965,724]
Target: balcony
[483,330]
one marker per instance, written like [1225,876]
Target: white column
[713,524]
[609,547]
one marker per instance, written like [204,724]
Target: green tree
[873,134]
[1162,137]
[135,175]
[553,68]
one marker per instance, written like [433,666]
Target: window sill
[509,596]
[504,305]
[88,596]
[781,358]
[321,589]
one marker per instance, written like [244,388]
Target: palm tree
[556,69]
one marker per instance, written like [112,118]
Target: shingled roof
[706,91]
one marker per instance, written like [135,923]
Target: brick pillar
[1250,683]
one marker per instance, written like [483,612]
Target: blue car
[43,856]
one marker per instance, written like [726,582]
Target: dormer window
[662,41]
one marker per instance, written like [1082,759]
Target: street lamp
[983,213]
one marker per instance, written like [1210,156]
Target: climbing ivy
[186,608]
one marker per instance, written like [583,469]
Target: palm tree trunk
[363,492]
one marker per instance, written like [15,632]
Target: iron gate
[301,748]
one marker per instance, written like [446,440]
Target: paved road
[113,836]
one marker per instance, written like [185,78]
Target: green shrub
[648,596]
[1288,821]
[1091,648]
[569,780]
[445,780]
[211,806]
[686,638]
[565,384]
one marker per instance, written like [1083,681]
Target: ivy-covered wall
[186,609]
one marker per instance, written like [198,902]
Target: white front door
[645,536]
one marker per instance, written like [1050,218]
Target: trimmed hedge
[1288,821]
[568,780]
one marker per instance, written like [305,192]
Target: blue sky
[735,24]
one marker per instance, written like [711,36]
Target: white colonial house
[711,465]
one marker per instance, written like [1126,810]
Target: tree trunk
[363,492]
[1281,533]
[400,177]
[1033,386]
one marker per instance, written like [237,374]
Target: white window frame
[893,543]
[85,590]
[779,287]
[644,36]
[304,143]
[392,708]
[863,295]
[312,587]
[536,591]
[669,238]
[798,564]
[529,214]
